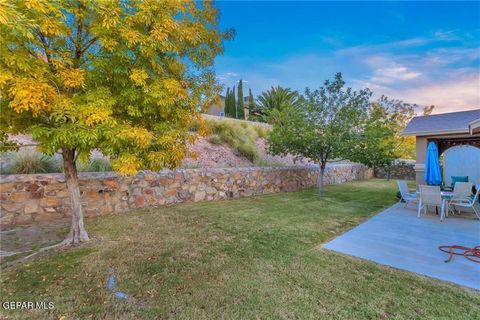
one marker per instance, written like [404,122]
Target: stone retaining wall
[31,198]
[402,169]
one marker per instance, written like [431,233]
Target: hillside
[222,155]
[234,143]
[231,143]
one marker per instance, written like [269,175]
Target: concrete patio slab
[397,238]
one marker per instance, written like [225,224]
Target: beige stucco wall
[215,109]
[219,106]
[421,150]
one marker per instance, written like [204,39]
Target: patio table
[446,195]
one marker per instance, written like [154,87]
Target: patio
[397,238]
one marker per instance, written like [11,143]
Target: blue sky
[419,52]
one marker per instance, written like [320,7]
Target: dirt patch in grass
[24,240]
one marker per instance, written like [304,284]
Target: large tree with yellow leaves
[124,77]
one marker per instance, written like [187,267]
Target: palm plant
[277,98]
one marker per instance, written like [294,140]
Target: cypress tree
[251,102]
[240,114]
[226,110]
[233,103]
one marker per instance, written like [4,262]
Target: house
[457,135]
[218,107]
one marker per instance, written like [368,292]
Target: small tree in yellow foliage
[124,77]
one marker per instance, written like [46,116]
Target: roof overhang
[474,126]
[452,123]
[437,132]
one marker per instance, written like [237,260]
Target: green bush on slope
[240,136]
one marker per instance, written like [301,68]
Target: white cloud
[445,56]
[446,35]
[413,42]
[384,47]
[387,73]
[226,76]
[375,87]
[453,95]
[394,74]
[398,45]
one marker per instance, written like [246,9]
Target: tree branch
[46,48]
[28,145]
[78,41]
[88,45]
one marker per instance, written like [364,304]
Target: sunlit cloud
[453,95]
[393,74]
[444,56]
[443,76]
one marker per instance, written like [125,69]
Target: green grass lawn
[252,258]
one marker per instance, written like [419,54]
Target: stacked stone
[39,197]
[401,170]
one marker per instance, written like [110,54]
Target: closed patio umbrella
[432,175]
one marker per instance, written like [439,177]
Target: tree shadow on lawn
[23,240]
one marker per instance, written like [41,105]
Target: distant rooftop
[445,123]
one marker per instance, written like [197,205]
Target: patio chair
[462,190]
[456,179]
[467,202]
[430,196]
[405,194]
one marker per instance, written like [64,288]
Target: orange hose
[472,254]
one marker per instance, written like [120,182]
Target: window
[221,114]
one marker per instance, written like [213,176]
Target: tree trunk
[320,178]
[77,230]
[388,173]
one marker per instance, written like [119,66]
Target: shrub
[215,139]
[240,136]
[191,166]
[30,161]
[97,165]
[262,132]
[195,126]
[248,150]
